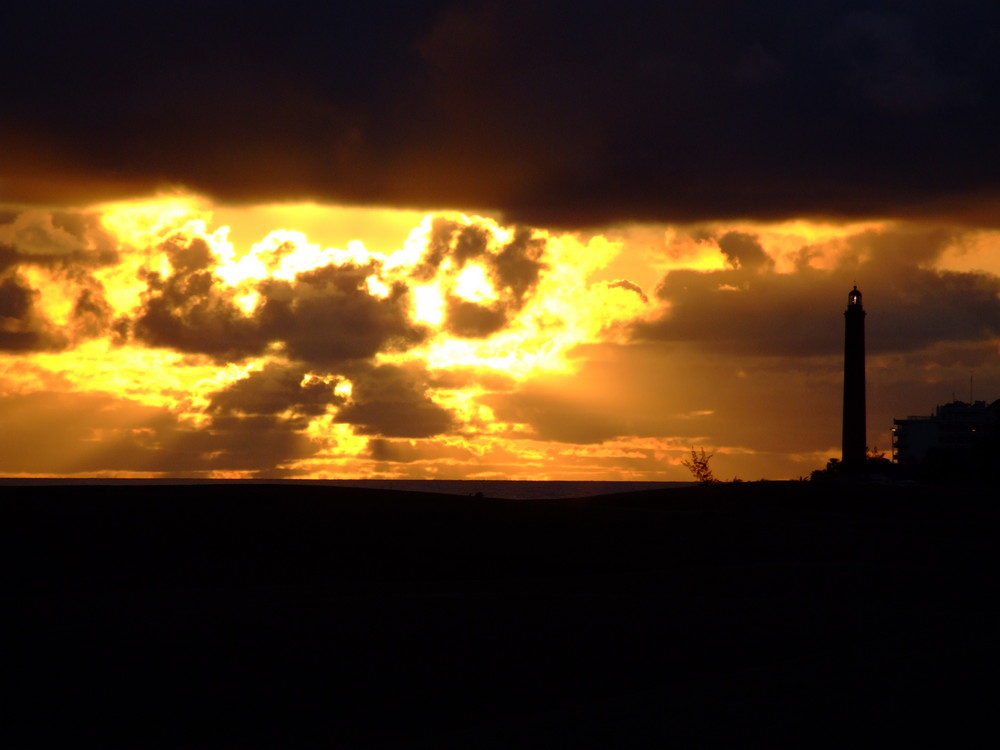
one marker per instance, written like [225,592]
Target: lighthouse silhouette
[854,443]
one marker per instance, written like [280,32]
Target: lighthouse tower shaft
[854,441]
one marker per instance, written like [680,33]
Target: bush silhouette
[698,466]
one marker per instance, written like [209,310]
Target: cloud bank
[136,339]
[555,114]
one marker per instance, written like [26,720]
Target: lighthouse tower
[854,443]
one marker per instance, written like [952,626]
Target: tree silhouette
[698,466]
[876,464]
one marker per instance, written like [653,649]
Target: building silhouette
[854,440]
[956,433]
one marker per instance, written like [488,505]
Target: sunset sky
[504,240]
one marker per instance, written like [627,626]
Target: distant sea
[508,490]
[501,489]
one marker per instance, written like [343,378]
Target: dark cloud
[8,257]
[414,451]
[887,63]
[261,443]
[56,239]
[65,248]
[630,286]
[723,311]
[275,389]
[15,300]
[327,316]
[189,311]
[744,250]
[471,320]
[392,401]
[513,270]
[443,235]
[94,433]
[753,310]
[395,451]
[519,265]
[323,316]
[472,242]
[22,329]
[25,328]
[92,316]
[557,113]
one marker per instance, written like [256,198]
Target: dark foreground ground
[748,615]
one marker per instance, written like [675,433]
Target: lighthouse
[854,443]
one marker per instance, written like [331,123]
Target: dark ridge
[270,615]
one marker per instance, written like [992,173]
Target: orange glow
[976,251]
[140,222]
[381,229]
[540,351]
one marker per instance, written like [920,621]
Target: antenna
[970,388]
